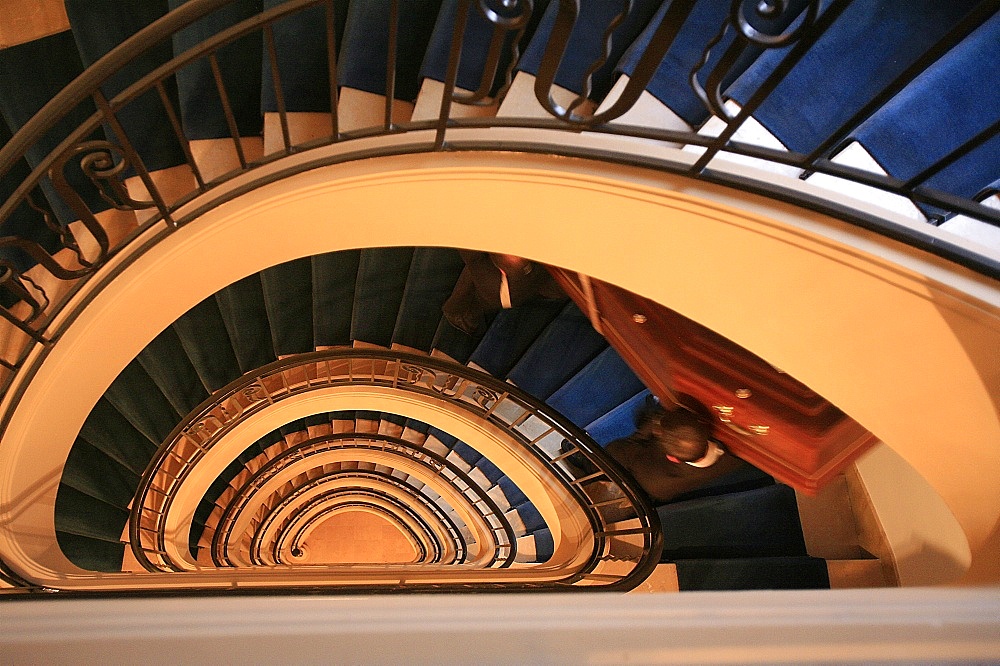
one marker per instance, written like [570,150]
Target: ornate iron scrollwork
[15,283]
[485,397]
[566,17]
[555,52]
[253,393]
[409,373]
[104,164]
[753,21]
[773,12]
[451,386]
[509,20]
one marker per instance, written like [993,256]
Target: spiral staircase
[278,359]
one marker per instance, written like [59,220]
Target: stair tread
[239,64]
[107,430]
[761,573]
[167,364]
[202,332]
[382,274]
[38,70]
[510,335]
[753,523]
[563,348]
[287,291]
[97,29]
[602,385]
[834,57]
[91,554]
[246,319]
[432,276]
[92,472]
[365,46]
[594,17]
[334,276]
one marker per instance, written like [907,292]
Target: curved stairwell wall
[834,305]
[190,263]
[546,348]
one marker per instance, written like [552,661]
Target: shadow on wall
[985,567]
[922,563]
[927,544]
[979,339]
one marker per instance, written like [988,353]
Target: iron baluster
[331,65]
[227,110]
[182,140]
[390,63]
[279,91]
[802,45]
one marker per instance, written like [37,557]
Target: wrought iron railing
[293,543]
[106,163]
[504,539]
[625,537]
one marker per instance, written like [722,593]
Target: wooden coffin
[763,415]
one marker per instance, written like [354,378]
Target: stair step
[245,316]
[536,547]
[366,422]
[602,385]
[670,84]
[202,332]
[166,363]
[594,18]
[511,334]
[97,29]
[320,429]
[38,70]
[334,277]
[620,422]
[472,72]
[139,399]
[454,344]
[562,349]
[287,290]
[92,472]
[365,47]
[744,478]
[912,115]
[297,79]
[469,455]
[763,522]
[818,75]
[239,64]
[391,425]
[382,274]
[513,494]
[415,431]
[24,222]
[342,422]
[84,515]
[439,441]
[432,276]
[753,573]
[106,429]
[91,554]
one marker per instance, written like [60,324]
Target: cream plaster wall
[902,341]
